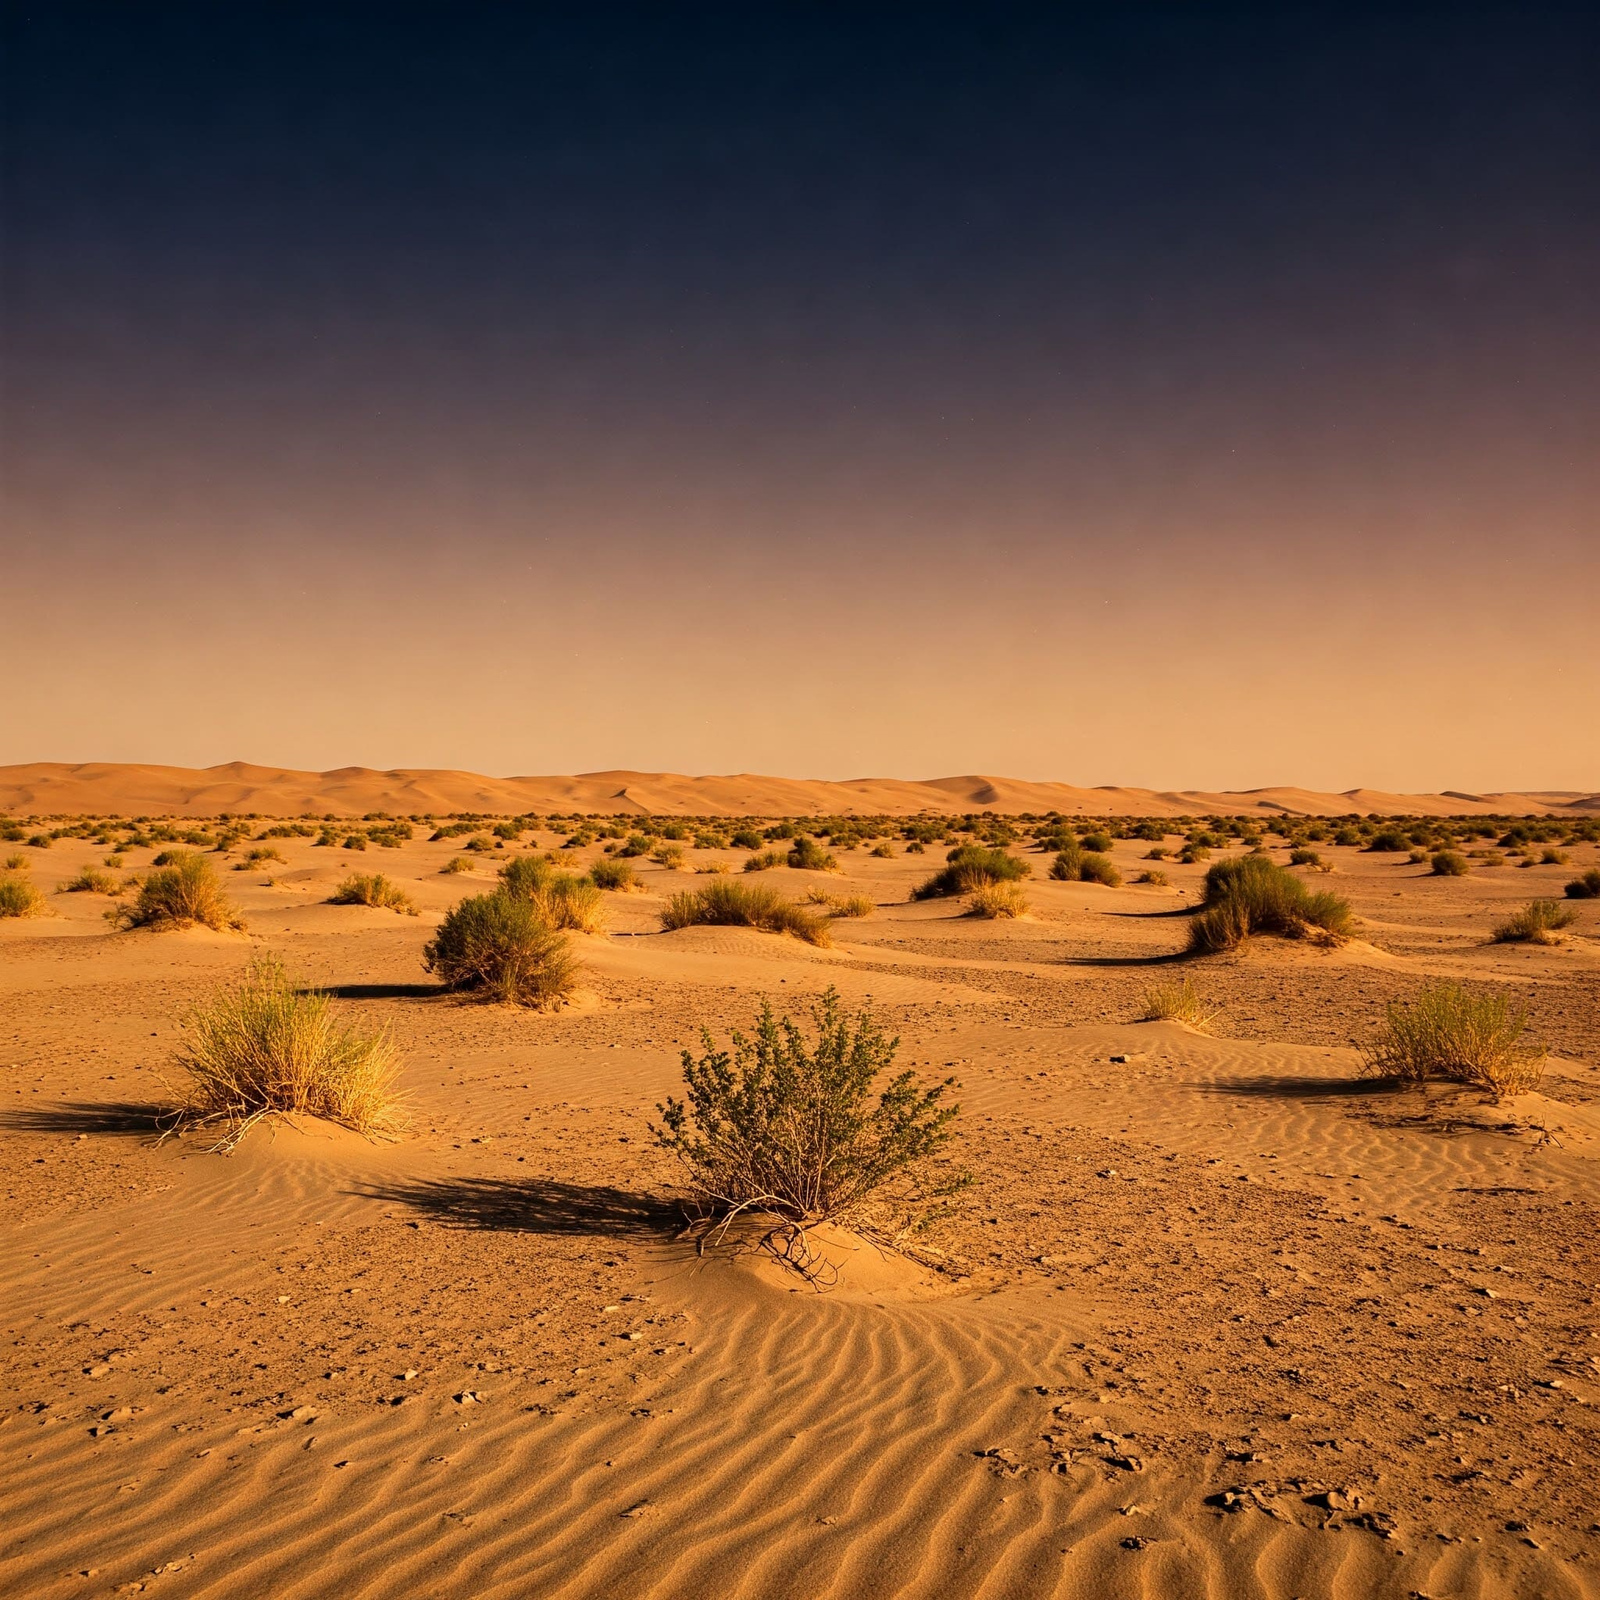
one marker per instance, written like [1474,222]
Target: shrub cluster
[970,867]
[373,889]
[729,903]
[1252,894]
[500,946]
[1585,888]
[1537,923]
[179,894]
[1452,1033]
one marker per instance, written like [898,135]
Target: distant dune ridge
[136,788]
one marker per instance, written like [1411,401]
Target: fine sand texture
[1215,1316]
[131,789]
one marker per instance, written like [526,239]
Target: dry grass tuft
[501,947]
[181,894]
[91,881]
[19,898]
[270,1048]
[1155,875]
[993,900]
[746,905]
[1449,1032]
[611,874]
[373,889]
[1179,1002]
[456,864]
[1539,922]
[566,900]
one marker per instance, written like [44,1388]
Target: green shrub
[747,839]
[1192,853]
[1452,1033]
[181,894]
[611,874]
[1251,894]
[1449,864]
[372,889]
[1300,856]
[503,948]
[884,851]
[1552,858]
[636,845]
[524,876]
[809,856]
[19,898]
[1096,841]
[1155,876]
[567,900]
[1096,868]
[764,860]
[1586,887]
[669,856]
[729,903]
[1537,923]
[801,1129]
[969,866]
[1156,853]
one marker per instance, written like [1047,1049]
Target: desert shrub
[1192,853]
[1390,839]
[669,856]
[261,853]
[269,1047]
[1252,894]
[1097,868]
[611,875]
[19,898]
[1003,899]
[1537,923]
[1300,856]
[1068,861]
[1449,864]
[39,841]
[372,889]
[635,845]
[968,867]
[884,851]
[1552,858]
[1155,876]
[1097,841]
[178,895]
[524,876]
[762,861]
[1156,853]
[1586,887]
[91,881]
[1178,1002]
[1453,1033]
[747,905]
[747,839]
[502,947]
[801,1128]
[853,905]
[567,900]
[16,862]
[809,856]
[456,864]
[712,868]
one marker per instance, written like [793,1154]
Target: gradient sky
[1135,396]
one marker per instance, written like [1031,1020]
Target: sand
[131,789]
[1216,1317]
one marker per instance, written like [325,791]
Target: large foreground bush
[1455,1034]
[729,903]
[1252,894]
[268,1047]
[19,898]
[181,894]
[502,947]
[801,1128]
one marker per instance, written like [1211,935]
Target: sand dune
[133,789]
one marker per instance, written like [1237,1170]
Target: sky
[1180,397]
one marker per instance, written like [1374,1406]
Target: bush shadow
[125,1117]
[534,1205]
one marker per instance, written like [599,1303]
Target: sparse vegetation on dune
[1153,876]
[373,889]
[749,905]
[501,947]
[91,881]
[801,1129]
[1252,894]
[183,893]
[1538,922]
[763,860]
[1586,887]
[267,1047]
[1302,856]
[1178,1002]
[456,864]
[1448,864]
[807,855]
[1449,1032]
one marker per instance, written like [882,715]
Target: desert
[1187,1306]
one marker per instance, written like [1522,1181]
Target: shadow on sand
[1289,1086]
[1129,961]
[379,991]
[126,1117]
[534,1205]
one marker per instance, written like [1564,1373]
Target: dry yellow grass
[1003,899]
[373,889]
[1178,1002]
[1453,1033]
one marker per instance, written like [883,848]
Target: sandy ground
[1215,1317]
